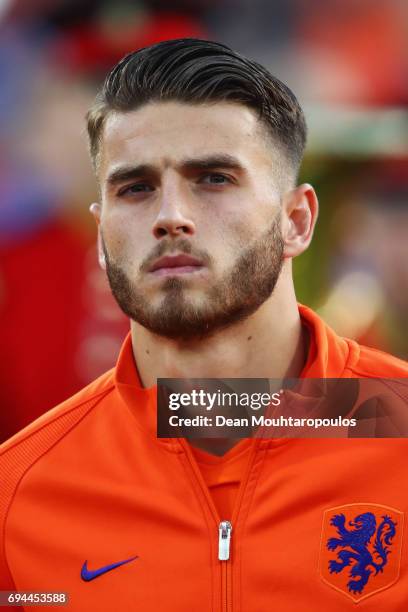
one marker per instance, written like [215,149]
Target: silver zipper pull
[224,540]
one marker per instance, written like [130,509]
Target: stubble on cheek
[179,313]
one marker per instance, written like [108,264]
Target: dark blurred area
[347,62]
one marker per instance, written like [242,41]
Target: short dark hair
[199,71]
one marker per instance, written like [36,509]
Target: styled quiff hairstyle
[198,72]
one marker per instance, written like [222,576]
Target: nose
[173,218]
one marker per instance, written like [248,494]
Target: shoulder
[59,419]
[21,452]
[373,363]
[26,446]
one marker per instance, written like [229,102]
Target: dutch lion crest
[362,562]
[361,548]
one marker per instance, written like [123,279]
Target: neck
[268,344]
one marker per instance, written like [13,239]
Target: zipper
[224,540]
[224,526]
[224,545]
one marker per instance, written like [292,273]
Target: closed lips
[176,261]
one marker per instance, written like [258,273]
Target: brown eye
[136,188]
[215,179]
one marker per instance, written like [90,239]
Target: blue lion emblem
[365,526]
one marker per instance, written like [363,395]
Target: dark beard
[238,294]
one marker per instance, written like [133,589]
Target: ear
[95,210]
[299,216]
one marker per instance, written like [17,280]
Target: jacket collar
[328,353]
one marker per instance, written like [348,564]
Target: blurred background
[346,60]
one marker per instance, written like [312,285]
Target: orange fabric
[222,475]
[90,481]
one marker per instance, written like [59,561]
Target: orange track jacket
[94,505]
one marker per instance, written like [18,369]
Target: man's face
[190,221]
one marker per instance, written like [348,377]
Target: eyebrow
[129,173]
[126,173]
[213,161]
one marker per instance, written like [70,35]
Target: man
[196,151]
